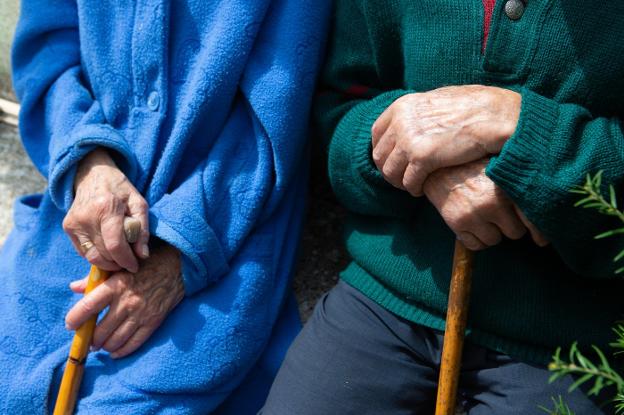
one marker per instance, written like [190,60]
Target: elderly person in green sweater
[450,119]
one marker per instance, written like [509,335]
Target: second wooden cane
[74,369]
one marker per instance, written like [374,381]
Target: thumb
[138,210]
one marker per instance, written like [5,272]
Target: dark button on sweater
[514,9]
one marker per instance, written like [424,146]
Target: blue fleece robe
[204,105]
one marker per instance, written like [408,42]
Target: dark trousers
[355,357]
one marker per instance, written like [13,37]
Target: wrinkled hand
[475,208]
[103,197]
[138,302]
[420,133]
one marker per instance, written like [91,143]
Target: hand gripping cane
[70,384]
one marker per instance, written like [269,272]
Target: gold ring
[86,245]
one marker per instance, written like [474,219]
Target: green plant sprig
[602,374]
[594,199]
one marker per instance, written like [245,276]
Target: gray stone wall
[17,176]
[9,10]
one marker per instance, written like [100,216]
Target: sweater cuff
[351,167]
[518,166]
[355,129]
[64,160]
[203,260]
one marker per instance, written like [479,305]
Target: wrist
[500,112]
[507,104]
[511,112]
[170,255]
[96,158]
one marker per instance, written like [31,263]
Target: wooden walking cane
[70,384]
[456,316]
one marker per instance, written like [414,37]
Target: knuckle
[452,222]
[414,188]
[476,246]
[388,170]
[110,346]
[375,131]
[463,219]
[123,284]
[418,158]
[78,221]
[471,242]
[517,233]
[114,246]
[68,223]
[399,150]
[134,304]
[100,334]
[102,204]
[87,305]
[134,343]
[142,205]
[407,183]
[94,257]
[120,284]
[378,163]
[415,166]
[450,217]
[133,322]
[491,240]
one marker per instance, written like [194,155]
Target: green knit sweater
[566,58]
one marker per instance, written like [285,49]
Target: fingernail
[114,355]
[68,327]
[145,251]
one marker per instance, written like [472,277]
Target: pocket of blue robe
[25,210]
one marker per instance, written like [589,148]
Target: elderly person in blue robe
[189,116]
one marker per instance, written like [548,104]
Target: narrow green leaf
[610,233]
[580,381]
[583,201]
[601,356]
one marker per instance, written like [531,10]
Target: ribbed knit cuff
[352,171]
[354,131]
[518,166]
